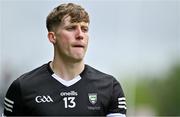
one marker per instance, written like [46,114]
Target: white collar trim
[65,82]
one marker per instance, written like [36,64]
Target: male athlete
[66,86]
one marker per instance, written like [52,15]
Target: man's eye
[85,29]
[70,28]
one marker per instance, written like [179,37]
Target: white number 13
[69,102]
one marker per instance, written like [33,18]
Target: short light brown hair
[76,12]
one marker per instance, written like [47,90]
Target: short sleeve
[13,100]
[118,101]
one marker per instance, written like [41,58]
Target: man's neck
[67,71]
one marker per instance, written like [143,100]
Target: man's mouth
[78,46]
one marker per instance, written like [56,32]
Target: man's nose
[79,33]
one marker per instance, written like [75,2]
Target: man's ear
[52,37]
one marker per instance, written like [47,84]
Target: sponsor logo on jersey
[43,99]
[71,93]
[92,97]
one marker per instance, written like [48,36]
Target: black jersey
[41,92]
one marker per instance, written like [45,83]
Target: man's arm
[118,102]
[13,100]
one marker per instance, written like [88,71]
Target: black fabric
[38,93]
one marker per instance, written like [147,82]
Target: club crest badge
[92,98]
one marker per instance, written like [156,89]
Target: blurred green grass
[160,94]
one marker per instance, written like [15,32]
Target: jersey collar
[62,81]
[65,82]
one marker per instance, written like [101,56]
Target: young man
[66,86]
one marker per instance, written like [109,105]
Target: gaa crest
[92,97]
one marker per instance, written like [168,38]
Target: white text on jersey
[43,99]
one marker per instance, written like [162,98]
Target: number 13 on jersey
[69,102]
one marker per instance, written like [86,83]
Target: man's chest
[67,101]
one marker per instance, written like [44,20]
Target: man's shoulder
[35,73]
[29,81]
[94,73]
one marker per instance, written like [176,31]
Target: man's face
[72,40]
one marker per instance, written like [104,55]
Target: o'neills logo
[71,93]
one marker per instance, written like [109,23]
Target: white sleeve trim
[115,115]
[3,115]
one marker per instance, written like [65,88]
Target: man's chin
[77,59]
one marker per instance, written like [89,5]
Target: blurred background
[137,41]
